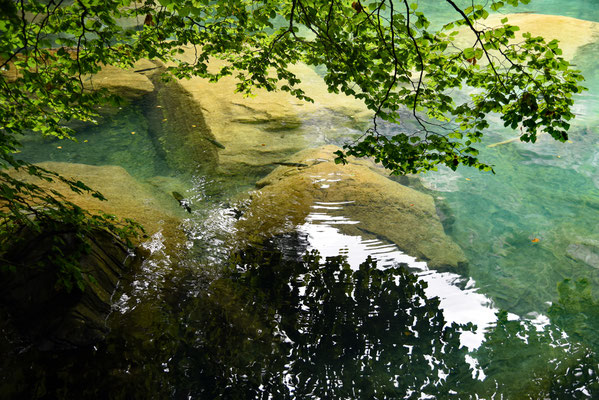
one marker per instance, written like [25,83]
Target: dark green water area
[110,143]
[273,327]
[280,321]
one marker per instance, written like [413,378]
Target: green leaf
[496,6]
[468,53]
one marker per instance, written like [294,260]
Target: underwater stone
[383,208]
[126,197]
[587,252]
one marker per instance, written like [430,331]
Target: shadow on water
[178,128]
[271,326]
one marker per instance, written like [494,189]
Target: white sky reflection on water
[459,298]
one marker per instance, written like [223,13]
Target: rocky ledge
[381,207]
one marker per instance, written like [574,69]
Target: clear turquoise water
[546,191]
[123,138]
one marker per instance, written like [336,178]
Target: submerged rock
[586,251]
[54,319]
[251,133]
[126,197]
[380,206]
[254,132]
[572,33]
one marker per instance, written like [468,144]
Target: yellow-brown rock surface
[126,197]
[267,128]
[382,207]
[572,33]
[125,82]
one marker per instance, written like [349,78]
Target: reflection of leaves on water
[526,363]
[277,327]
[317,329]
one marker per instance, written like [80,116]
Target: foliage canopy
[386,53]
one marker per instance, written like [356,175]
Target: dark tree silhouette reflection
[273,326]
[316,329]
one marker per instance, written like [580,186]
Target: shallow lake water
[265,323]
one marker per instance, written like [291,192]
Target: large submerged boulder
[380,206]
[254,132]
